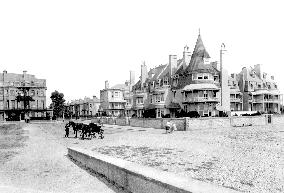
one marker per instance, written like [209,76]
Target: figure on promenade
[67,130]
[170,127]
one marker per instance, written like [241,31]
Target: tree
[57,104]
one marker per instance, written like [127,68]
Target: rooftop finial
[198,31]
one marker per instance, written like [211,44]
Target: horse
[86,130]
[96,129]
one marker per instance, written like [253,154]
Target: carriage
[86,130]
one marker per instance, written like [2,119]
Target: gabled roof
[157,71]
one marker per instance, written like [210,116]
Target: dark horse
[86,130]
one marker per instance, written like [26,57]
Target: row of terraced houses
[192,83]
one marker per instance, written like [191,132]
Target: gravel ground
[35,161]
[248,159]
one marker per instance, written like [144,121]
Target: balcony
[139,106]
[236,100]
[128,106]
[266,101]
[116,107]
[118,100]
[200,99]
[139,93]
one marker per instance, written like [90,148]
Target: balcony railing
[128,106]
[266,100]
[116,107]
[201,99]
[235,100]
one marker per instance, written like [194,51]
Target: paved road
[42,166]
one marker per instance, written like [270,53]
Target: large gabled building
[22,94]
[191,83]
[260,91]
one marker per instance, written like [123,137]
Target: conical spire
[198,55]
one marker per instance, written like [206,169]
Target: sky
[77,45]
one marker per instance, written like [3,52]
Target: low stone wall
[207,123]
[248,121]
[193,123]
[140,179]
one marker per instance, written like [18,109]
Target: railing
[235,100]
[201,99]
[129,106]
[266,100]
[116,107]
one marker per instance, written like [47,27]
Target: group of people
[170,127]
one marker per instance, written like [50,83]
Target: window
[139,100]
[205,77]
[116,94]
[199,77]
[174,92]
[158,98]
[185,108]
[90,105]
[160,112]
[205,94]
[166,80]
[215,77]
[32,93]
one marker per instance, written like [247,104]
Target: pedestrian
[168,126]
[67,130]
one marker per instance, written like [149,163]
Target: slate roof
[197,59]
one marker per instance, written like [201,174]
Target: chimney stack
[144,73]
[186,57]
[173,64]
[106,84]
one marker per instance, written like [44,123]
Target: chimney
[186,57]
[144,73]
[4,71]
[173,64]
[258,70]
[132,77]
[106,84]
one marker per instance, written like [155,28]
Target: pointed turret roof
[198,55]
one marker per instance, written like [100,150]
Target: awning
[235,91]
[173,105]
[206,86]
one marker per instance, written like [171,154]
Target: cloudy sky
[77,45]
